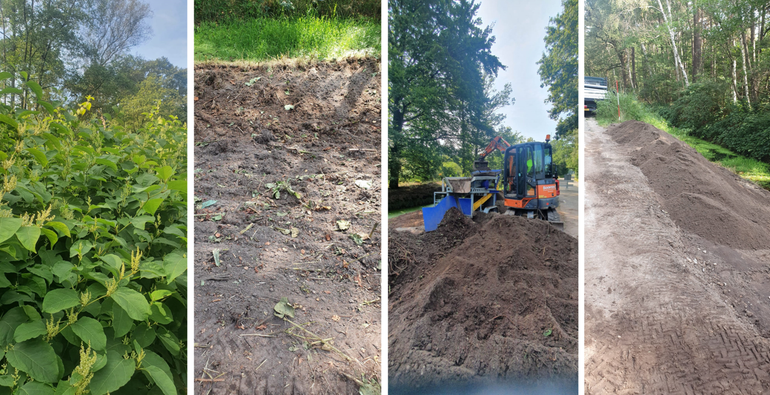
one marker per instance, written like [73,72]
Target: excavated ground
[677,270]
[494,300]
[256,242]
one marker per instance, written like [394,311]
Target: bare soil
[676,276]
[493,300]
[251,152]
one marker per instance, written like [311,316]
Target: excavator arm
[497,143]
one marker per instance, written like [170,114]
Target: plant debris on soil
[701,197]
[287,301]
[495,300]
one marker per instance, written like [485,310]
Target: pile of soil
[287,205]
[700,196]
[487,301]
[411,195]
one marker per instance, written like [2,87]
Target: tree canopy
[78,48]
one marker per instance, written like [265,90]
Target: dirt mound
[411,195]
[701,197]
[481,302]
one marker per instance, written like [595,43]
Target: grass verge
[633,109]
[264,39]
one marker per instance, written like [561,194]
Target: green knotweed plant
[93,247]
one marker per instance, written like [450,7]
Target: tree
[438,55]
[559,69]
[114,27]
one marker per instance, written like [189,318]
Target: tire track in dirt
[652,325]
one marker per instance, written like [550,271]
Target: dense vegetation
[92,251]
[232,30]
[704,65]
[228,10]
[442,104]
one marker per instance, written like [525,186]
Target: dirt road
[666,312]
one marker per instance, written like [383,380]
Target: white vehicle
[594,89]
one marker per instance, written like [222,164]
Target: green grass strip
[633,109]
[265,39]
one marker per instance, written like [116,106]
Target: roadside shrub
[699,105]
[92,253]
[741,131]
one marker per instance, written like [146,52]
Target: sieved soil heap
[701,197]
[482,302]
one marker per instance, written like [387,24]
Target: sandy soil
[667,311]
[281,179]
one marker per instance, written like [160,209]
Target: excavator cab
[529,177]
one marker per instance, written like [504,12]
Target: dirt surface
[480,302]
[673,305]
[251,152]
[568,211]
[412,195]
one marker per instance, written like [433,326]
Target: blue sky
[519,30]
[169,28]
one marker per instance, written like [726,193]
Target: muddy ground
[677,277]
[287,189]
[568,211]
[489,300]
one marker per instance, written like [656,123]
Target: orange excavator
[530,180]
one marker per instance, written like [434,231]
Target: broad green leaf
[121,322]
[62,270]
[60,299]
[152,205]
[28,236]
[60,227]
[4,283]
[174,264]
[169,341]
[159,294]
[8,227]
[283,308]
[6,380]
[91,332]
[153,359]
[178,185]
[39,155]
[8,324]
[165,172]
[112,376]
[35,87]
[35,388]
[41,271]
[65,388]
[144,335]
[82,246]
[11,89]
[107,163]
[132,302]
[5,75]
[37,358]
[29,330]
[51,235]
[160,313]
[48,107]
[114,261]
[163,381]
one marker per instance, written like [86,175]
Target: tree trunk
[735,79]
[745,73]
[394,159]
[677,59]
[633,67]
[696,44]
